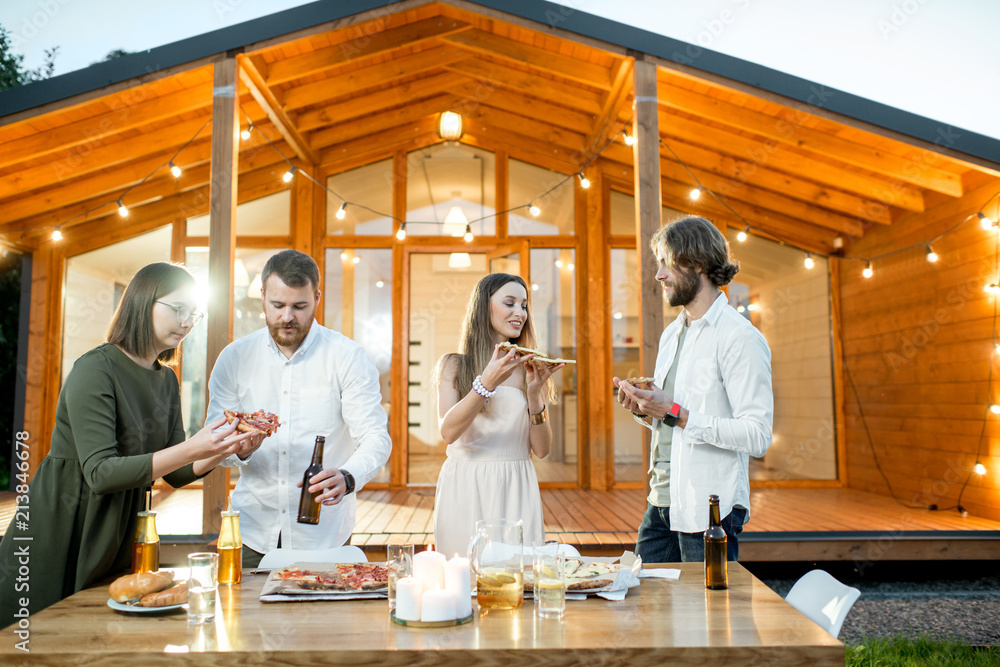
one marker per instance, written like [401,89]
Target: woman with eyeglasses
[118,429]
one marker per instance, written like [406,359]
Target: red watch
[673,415]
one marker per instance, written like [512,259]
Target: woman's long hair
[476,345]
[131,326]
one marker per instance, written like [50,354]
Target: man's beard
[685,289]
[291,340]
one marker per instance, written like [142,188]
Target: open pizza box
[278,589]
[611,576]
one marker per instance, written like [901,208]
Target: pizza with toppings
[640,382]
[348,577]
[539,356]
[254,422]
[581,576]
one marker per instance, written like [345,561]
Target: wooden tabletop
[660,621]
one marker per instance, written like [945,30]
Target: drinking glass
[550,580]
[203,583]
[399,561]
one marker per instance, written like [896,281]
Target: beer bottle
[308,507]
[716,567]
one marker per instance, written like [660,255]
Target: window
[449,186]
[556,209]
[265,216]
[369,189]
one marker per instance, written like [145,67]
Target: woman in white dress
[493,413]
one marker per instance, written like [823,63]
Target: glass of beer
[399,561]
[146,546]
[230,548]
[497,557]
[203,583]
[549,570]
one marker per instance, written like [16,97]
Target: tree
[12,71]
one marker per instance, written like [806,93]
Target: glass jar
[230,548]
[146,546]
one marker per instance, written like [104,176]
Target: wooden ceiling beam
[503,48]
[92,132]
[265,97]
[755,154]
[365,105]
[524,152]
[379,122]
[786,130]
[376,144]
[364,41]
[350,84]
[529,130]
[735,173]
[607,120]
[490,75]
[503,98]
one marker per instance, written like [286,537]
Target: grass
[921,652]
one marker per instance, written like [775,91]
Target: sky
[935,58]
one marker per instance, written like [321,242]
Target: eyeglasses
[184,313]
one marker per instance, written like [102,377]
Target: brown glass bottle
[716,567]
[308,507]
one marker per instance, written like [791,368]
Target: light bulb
[617,315]
[629,139]
[356,259]
[288,175]
[740,308]
[534,287]
[343,256]
[122,209]
[992,288]
[570,267]
[584,181]
[867,273]
[996,347]
[175,170]
[534,211]
[995,409]
[694,194]
[752,307]
[984,221]
[809,263]
[245,133]
[379,283]
[931,255]
[401,234]
[742,236]
[979,468]
[558,263]
[56,234]
[342,211]
[468,234]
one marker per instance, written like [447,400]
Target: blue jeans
[658,544]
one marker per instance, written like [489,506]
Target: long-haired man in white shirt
[319,382]
[712,404]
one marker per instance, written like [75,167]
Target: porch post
[221,253]
[648,203]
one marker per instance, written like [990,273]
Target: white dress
[489,475]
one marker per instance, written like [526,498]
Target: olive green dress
[81,516]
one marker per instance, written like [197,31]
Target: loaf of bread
[134,586]
[174,595]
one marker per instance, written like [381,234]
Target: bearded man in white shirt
[318,382]
[712,404]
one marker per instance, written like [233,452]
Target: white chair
[823,599]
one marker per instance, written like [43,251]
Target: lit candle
[437,605]
[457,581]
[428,569]
[408,591]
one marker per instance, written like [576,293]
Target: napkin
[661,573]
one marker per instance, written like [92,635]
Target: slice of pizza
[641,382]
[539,356]
[294,579]
[254,422]
[364,576]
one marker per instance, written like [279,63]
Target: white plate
[142,610]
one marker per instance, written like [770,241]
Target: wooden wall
[918,348]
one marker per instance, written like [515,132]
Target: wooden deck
[827,524]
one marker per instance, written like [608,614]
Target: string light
[245,132]
[356,259]
[558,263]
[570,266]
[740,308]
[984,221]
[401,234]
[379,283]
[809,263]
[175,170]
[56,234]
[992,288]
[752,307]
[288,175]
[995,409]
[343,256]
[628,138]
[584,181]
[867,273]
[342,211]
[534,210]
[534,287]
[122,209]
[742,236]
[931,255]
[695,194]
[468,234]
[979,468]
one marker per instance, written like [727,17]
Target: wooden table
[677,622]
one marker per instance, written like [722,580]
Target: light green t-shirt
[659,485]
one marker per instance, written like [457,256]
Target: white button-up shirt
[724,381]
[329,387]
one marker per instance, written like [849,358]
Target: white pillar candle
[408,592]
[428,569]
[457,581]
[437,605]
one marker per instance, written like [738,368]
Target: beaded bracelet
[477,386]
